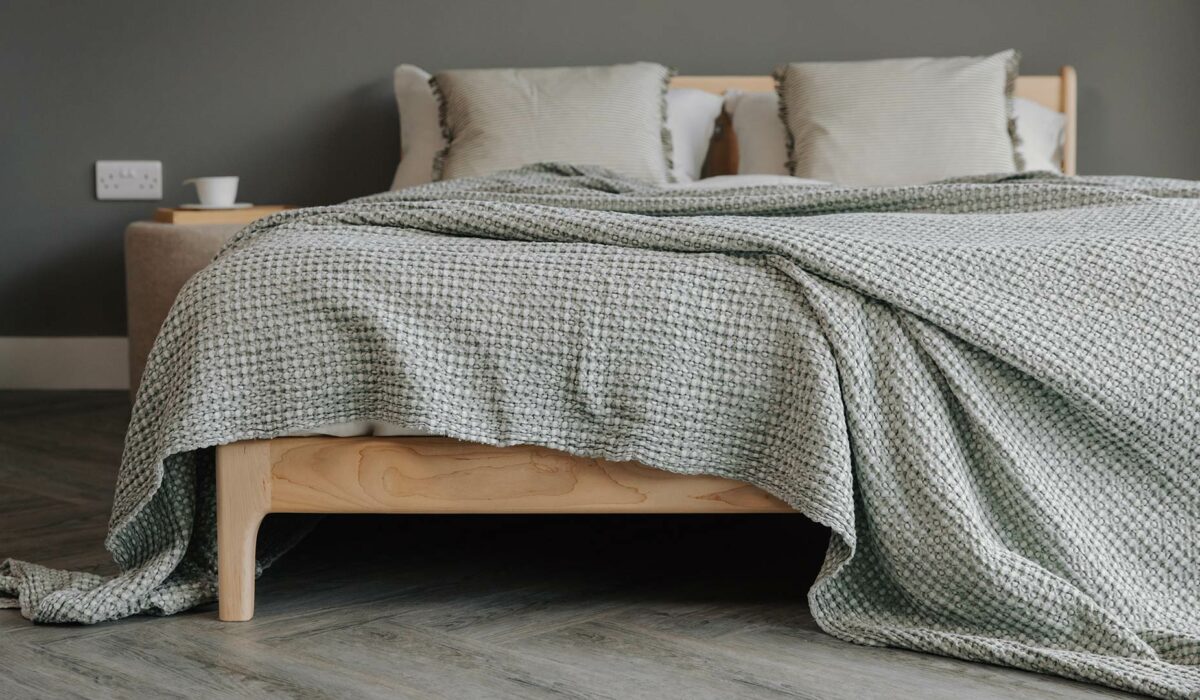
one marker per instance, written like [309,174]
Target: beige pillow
[612,116]
[899,121]
[420,133]
[761,136]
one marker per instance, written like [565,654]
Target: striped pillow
[612,116]
[899,121]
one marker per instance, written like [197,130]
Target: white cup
[215,191]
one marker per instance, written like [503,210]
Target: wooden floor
[451,607]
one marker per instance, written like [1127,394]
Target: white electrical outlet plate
[129,179]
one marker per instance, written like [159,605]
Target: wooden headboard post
[1069,96]
[1058,92]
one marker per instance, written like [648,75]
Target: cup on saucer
[215,192]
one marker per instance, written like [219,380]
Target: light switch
[129,179]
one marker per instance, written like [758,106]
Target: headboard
[1054,91]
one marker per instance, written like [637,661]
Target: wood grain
[718,84]
[169,215]
[1070,107]
[243,499]
[440,475]
[435,475]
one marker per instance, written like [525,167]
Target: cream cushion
[899,121]
[691,118]
[611,116]
[420,133]
[761,135]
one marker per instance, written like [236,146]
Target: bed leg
[243,498]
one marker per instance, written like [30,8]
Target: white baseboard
[64,363]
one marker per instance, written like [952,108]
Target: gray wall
[294,96]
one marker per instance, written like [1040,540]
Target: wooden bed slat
[435,475]
[441,475]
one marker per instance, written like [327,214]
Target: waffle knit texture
[989,390]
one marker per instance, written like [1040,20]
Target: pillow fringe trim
[439,159]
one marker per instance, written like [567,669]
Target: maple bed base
[434,475]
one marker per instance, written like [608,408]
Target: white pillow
[762,138]
[725,182]
[691,118]
[761,135]
[899,121]
[1040,132]
[420,134]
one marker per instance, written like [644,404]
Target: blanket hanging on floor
[988,389]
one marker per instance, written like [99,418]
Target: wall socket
[129,179]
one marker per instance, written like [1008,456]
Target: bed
[441,475]
[985,384]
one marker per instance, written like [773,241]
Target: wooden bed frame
[441,475]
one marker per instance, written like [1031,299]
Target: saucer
[235,205]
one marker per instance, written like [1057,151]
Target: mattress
[719,182]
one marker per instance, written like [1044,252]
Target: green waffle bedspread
[988,389]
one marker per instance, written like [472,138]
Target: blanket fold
[988,389]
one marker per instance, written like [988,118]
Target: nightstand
[159,260]
[217,216]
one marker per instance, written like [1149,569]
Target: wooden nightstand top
[217,216]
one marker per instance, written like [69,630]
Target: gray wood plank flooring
[449,607]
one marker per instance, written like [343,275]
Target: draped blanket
[988,389]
